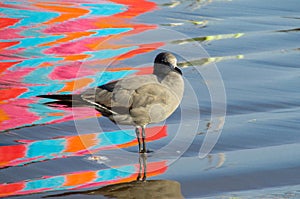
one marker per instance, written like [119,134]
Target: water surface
[254,45]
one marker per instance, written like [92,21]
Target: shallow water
[256,50]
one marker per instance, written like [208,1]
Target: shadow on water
[290,30]
[139,188]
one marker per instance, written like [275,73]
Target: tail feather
[67,100]
[76,101]
[61,97]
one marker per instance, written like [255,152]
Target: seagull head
[164,63]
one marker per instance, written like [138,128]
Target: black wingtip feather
[61,97]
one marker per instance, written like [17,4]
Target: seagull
[136,100]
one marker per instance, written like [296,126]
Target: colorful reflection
[80,179]
[66,146]
[31,151]
[65,47]
[62,47]
[141,187]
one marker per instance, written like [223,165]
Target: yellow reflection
[209,38]
[208,60]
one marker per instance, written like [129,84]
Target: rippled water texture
[65,47]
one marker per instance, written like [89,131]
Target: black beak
[177,70]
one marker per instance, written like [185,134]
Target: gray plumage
[140,100]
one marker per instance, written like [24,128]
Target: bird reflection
[142,175]
[139,188]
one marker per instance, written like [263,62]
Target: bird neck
[161,71]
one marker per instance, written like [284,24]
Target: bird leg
[137,132]
[143,140]
[142,145]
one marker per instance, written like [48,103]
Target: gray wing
[100,97]
[138,100]
[152,103]
[115,97]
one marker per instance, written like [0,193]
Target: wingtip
[66,97]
